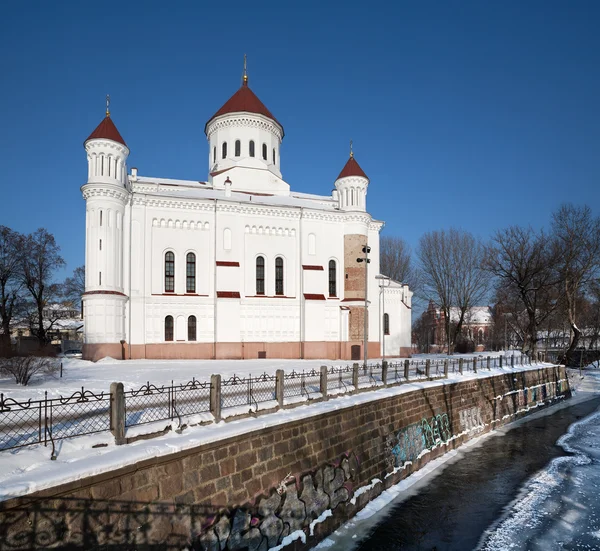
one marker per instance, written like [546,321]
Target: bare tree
[23,368]
[395,261]
[10,283]
[452,273]
[523,261]
[39,263]
[74,286]
[577,233]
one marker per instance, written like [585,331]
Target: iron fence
[339,379]
[150,403]
[44,421]
[303,383]
[248,391]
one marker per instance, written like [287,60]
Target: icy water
[536,486]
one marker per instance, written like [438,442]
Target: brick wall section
[354,272]
[193,496]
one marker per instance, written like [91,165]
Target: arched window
[279,276]
[332,279]
[265,151]
[190,273]
[192,328]
[260,275]
[386,324]
[251,148]
[273,155]
[169,272]
[238,148]
[224,150]
[169,328]
[215,154]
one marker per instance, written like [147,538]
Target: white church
[238,266]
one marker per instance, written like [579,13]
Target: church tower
[106,196]
[351,186]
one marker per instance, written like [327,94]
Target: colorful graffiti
[286,510]
[408,443]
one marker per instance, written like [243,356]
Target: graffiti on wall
[287,509]
[408,443]
[470,419]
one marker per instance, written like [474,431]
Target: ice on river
[559,508]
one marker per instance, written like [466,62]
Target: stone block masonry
[294,483]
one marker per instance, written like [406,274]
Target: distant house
[477,326]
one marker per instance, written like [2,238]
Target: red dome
[352,168]
[244,100]
[107,130]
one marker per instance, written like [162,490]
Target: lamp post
[366,250]
[382,279]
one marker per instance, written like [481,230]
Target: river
[534,484]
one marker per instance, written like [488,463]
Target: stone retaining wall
[291,484]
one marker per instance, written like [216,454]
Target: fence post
[384,371]
[215,397]
[117,412]
[512,360]
[460,365]
[446,368]
[323,382]
[501,362]
[355,377]
[474,365]
[427,368]
[406,368]
[279,387]
[489,365]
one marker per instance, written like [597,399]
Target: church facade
[238,266]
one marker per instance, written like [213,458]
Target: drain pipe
[215,287]
[301,286]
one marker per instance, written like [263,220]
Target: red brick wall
[225,493]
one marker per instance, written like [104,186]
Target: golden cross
[245,73]
[107,105]
[351,153]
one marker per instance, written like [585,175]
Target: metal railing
[24,423]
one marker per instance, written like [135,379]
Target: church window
[99,278]
[190,284]
[273,155]
[260,275]
[279,276]
[100,217]
[251,148]
[100,244]
[214,154]
[224,150]
[238,148]
[386,324]
[169,272]
[192,328]
[332,279]
[264,152]
[227,239]
[102,165]
[169,328]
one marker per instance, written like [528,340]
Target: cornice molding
[104,191]
[244,120]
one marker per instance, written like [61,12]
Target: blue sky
[474,114]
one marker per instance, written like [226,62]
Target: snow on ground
[98,376]
[29,469]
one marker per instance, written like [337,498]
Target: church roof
[244,100]
[108,131]
[352,168]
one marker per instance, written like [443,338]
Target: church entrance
[355,352]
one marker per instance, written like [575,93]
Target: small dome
[352,168]
[107,130]
[244,101]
